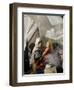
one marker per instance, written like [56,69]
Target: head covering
[37,40]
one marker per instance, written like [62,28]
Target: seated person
[52,58]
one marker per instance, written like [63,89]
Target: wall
[4,46]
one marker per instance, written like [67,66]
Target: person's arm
[34,68]
[45,51]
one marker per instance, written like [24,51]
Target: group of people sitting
[46,59]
